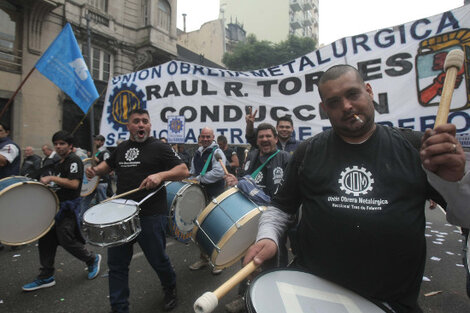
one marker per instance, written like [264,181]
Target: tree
[253,54]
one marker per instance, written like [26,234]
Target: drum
[289,291]
[111,223]
[27,210]
[88,185]
[185,202]
[227,227]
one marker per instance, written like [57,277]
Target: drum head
[188,206]
[88,185]
[289,291]
[27,212]
[110,212]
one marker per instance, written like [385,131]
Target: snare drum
[111,223]
[88,185]
[27,210]
[289,291]
[227,227]
[185,203]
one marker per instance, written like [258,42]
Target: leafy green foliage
[253,54]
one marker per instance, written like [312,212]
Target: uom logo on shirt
[356,181]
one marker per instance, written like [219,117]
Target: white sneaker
[198,265]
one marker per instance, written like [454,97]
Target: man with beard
[284,127]
[143,162]
[363,188]
[67,182]
[265,166]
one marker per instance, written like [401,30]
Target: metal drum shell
[113,233]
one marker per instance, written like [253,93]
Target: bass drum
[293,291]
[27,210]
[88,185]
[185,201]
[227,227]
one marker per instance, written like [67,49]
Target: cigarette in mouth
[358,118]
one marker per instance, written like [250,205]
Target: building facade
[126,35]
[273,20]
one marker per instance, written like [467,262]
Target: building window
[164,15]
[10,54]
[99,4]
[146,12]
[101,64]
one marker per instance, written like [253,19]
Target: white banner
[403,64]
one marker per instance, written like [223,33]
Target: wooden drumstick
[209,300]
[121,195]
[218,157]
[453,63]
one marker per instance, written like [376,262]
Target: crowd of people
[348,233]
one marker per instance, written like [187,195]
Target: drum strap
[255,173]
[209,159]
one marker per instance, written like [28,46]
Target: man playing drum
[10,158]
[266,166]
[143,162]
[209,173]
[363,190]
[67,182]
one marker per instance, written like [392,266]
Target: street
[444,278]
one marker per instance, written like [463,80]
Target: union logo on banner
[430,74]
[176,127]
[123,100]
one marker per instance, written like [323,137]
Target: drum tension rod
[207,236]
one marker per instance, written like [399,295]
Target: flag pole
[85,116]
[16,92]
[92,107]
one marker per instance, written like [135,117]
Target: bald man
[31,162]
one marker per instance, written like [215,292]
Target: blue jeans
[152,240]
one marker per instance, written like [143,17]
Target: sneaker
[39,283]
[216,271]
[169,300]
[198,265]
[236,306]
[94,269]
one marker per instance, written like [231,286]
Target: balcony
[295,22]
[295,5]
[307,21]
[307,5]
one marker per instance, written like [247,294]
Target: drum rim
[85,161]
[126,219]
[230,232]
[210,207]
[248,302]
[17,184]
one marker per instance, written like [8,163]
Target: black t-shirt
[363,218]
[71,168]
[103,155]
[134,161]
[228,155]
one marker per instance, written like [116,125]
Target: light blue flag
[63,64]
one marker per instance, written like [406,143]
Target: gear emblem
[122,100]
[131,154]
[356,181]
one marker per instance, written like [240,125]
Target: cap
[99,137]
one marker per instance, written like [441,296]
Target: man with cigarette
[363,189]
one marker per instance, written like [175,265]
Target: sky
[352,18]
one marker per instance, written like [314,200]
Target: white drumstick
[209,300]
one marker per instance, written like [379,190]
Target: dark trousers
[65,233]
[152,240]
